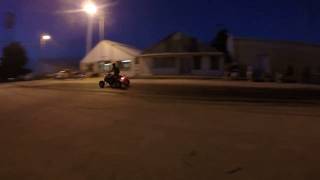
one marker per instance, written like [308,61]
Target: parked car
[78,75]
[27,77]
[64,74]
[68,74]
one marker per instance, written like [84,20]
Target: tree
[220,42]
[13,61]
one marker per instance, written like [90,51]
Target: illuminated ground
[159,130]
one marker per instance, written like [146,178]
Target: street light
[44,38]
[90,8]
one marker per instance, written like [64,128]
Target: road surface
[159,129]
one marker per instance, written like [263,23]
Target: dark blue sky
[142,23]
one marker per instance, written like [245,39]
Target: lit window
[125,64]
[105,66]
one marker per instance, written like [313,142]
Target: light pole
[44,39]
[101,25]
[91,9]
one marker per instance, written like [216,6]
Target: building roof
[110,50]
[179,43]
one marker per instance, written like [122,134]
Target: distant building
[290,61]
[179,54]
[100,59]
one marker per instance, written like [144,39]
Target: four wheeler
[120,82]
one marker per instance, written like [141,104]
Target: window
[214,63]
[197,62]
[105,66]
[125,64]
[164,63]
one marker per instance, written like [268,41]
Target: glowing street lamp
[90,8]
[46,37]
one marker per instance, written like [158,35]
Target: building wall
[280,54]
[183,65]
[146,67]
[96,68]
[206,67]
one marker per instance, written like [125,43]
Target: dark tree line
[13,61]
[220,42]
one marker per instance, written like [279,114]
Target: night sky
[142,23]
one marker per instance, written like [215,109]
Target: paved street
[159,129]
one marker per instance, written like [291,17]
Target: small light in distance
[46,37]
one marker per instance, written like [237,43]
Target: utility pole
[102,26]
[89,34]
[91,9]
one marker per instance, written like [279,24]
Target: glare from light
[46,37]
[126,61]
[90,8]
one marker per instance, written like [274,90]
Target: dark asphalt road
[203,90]
[165,129]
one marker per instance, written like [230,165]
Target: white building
[100,58]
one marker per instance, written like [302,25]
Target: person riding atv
[114,79]
[115,70]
